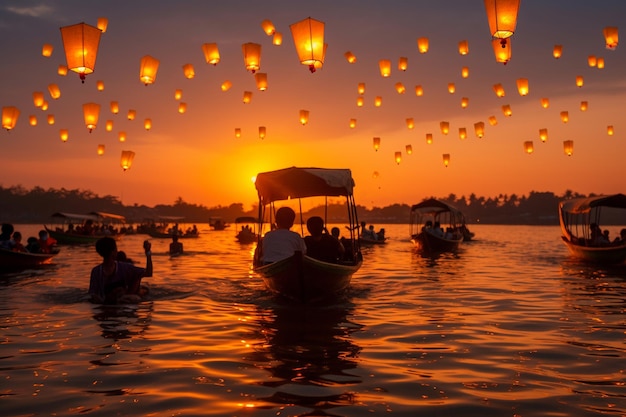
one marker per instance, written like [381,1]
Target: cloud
[34,11]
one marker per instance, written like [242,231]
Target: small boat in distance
[301,277]
[218,224]
[11,260]
[436,226]
[246,227]
[580,220]
[83,229]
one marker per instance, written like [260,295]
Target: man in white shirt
[281,243]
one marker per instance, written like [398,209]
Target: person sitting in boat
[114,282]
[321,245]
[367,233]
[427,226]
[5,236]
[380,235]
[17,243]
[32,245]
[281,243]
[176,247]
[47,244]
[437,230]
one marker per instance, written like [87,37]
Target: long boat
[10,260]
[301,277]
[580,220]
[435,226]
[67,228]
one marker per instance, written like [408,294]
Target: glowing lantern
[419,90]
[600,63]
[115,107]
[501,51]
[148,69]
[376,143]
[592,61]
[131,114]
[62,70]
[400,88]
[237,132]
[528,147]
[308,38]
[410,123]
[610,37]
[465,72]
[32,120]
[375,174]
[352,123]
[247,97]
[226,85]
[127,159]
[188,71]
[446,159]
[564,116]
[178,94]
[147,124]
[568,147]
[429,138]
[422,45]
[268,27]
[304,117]
[451,88]
[409,149]
[492,120]
[54,91]
[609,130]
[261,80]
[91,112]
[506,109]
[385,67]
[51,119]
[502,17]
[463,48]
[100,85]
[102,24]
[100,150]
[211,53]
[359,101]
[445,127]
[378,101]
[464,102]
[81,43]
[499,90]
[543,135]
[522,86]
[403,63]
[182,107]
[251,56]
[38,99]
[108,125]
[557,51]
[584,106]
[64,134]
[398,157]
[262,132]
[277,39]
[579,81]
[462,133]
[479,129]
[121,136]
[46,50]
[545,103]
[44,106]
[361,88]
[350,57]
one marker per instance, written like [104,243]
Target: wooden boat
[11,260]
[218,224]
[424,218]
[370,241]
[246,229]
[83,229]
[301,277]
[160,228]
[580,220]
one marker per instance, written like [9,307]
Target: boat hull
[597,254]
[74,238]
[427,242]
[305,279]
[13,260]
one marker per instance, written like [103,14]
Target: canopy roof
[433,206]
[75,217]
[584,205]
[303,182]
[109,216]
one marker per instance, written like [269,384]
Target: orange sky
[197,157]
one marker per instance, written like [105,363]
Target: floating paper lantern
[611,37]
[361,88]
[226,85]
[564,116]
[304,117]
[54,91]
[592,61]
[528,147]
[237,132]
[445,127]
[262,132]
[62,70]
[492,120]
[422,45]
[479,129]
[44,106]
[522,86]
[462,133]
[451,88]
[385,67]
[115,107]
[502,17]
[499,90]
[403,63]
[419,90]
[261,80]
[147,124]
[600,63]
[350,57]
[464,102]
[268,27]
[398,157]
[38,98]
[501,51]
[359,101]
[182,107]
[465,72]
[308,38]
[400,88]
[557,51]
[429,138]
[446,159]
[178,94]
[50,119]
[211,53]
[108,126]
[121,136]
[568,147]
[579,81]
[100,85]
[188,71]
[127,159]
[543,134]
[277,39]
[609,130]
[247,97]
[409,149]
[506,109]
[81,43]
[378,101]
[463,47]
[91,112]
[131,114]
[352,123]
[545,103]
[46,50]
[32,120]
[376,143]
[584,106]
[410,123]
[100,150]
[64,134]
[251,56]
[148,68]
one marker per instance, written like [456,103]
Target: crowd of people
[369,233]
[10,239]
[602,238]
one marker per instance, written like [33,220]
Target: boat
[247,232]
[83,229]
[218,224]
[165,227]
[580,220]
[11,260]
[423,222]
[370,241]
[302,278]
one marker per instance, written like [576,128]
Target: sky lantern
[64,134]
[522,86]
[422,45]
[147,124]
[600,63]
[501,51]
[44,105]
[557,51]
[62,70]
[115,107]
[108,126]
[81,43]
[148,69]
[543,134]
[451,88]
[182,107]
[502,17]
[261,80]
[545,102]
[584,106]
[398,157]
[127,159]
[609,130]
[592,61]
[262,132]
[610,37]
[226,85]
[361,88]
[378,101]
[400,88]
[178,94]
[352,123]
[376,143]
[237,132]
[479,129]
[211,53]
[38,98]
[446,159]
[528,147]
[359,101]
[409,149]
[102,24]
[498,89]
[565,116]
[277,39]
[568,147]
[506,109]
[403,63]
[465,72]
[131,114]
[419,90]
[268,27]
[464,102]
[121,136]
[385,67]
[492,120]
[579,81]
[410,123]
[46,50]
[188,71]
[251,56]
[429,138]
[463,47]
[350,57]
[50,118]
[100,150]
[445,127]
[100,85]
[54,91]
[304,117]
[247,97]
[32,120]
[91,112]
[462,133]
[308,38]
